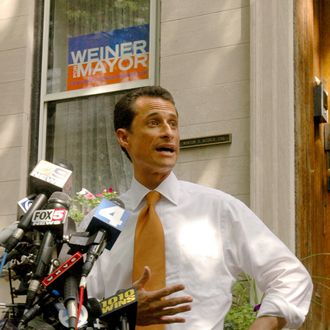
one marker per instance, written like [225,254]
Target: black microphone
[94,309]
[46,178]
[70,265]
[42,263]
[36,309]
[94,251]
[51,219]
[55,216]
[64,282]
[25,222]
[118,311]
[106,224]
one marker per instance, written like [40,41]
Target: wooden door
[312,58]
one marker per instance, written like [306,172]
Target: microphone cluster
[50,260]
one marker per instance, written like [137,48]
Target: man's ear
[122,137]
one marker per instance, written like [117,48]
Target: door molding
[272,187]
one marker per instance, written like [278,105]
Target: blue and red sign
[108,57]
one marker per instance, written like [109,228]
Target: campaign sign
[103,58]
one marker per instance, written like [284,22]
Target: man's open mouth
[166,149]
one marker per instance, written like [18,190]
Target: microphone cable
[81,302]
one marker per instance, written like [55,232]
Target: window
[93,51]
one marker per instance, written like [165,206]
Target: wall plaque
[205,141]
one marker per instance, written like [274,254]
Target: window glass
[80,132]
[97,42]
[92,43]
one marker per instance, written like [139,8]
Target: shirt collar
[169,188]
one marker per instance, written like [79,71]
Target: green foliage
[84,203]
[242,314]
[240,317]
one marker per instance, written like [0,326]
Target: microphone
[36,309]
[55,216]
[63,281]
[51,219]
[54,281]
[6,232]
[70,299]
[106,224]
[46,178]
[25,222]
[42,262]
[119,310]
[111,216]
[24,204]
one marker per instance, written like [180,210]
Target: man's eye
[174,124]
[153,122]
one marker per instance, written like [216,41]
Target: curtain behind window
[80,131]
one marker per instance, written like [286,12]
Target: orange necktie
[149,248]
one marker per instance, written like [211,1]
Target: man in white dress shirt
[210,237]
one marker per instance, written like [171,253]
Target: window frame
[46,97]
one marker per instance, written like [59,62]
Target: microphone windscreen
[59,198]
[94,308]
[6,232]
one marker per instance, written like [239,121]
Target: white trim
[26,124]
[272,189]
[42,131]
[43,87]
[156,20]
[97,90]
[152,42]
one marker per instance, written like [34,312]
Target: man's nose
[167,129]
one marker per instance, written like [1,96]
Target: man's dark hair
[124,109]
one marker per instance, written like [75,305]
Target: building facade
[229,64]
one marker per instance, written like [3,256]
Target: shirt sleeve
[253,249]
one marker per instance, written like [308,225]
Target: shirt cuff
[274,305]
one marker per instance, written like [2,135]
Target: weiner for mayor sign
[104,58]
